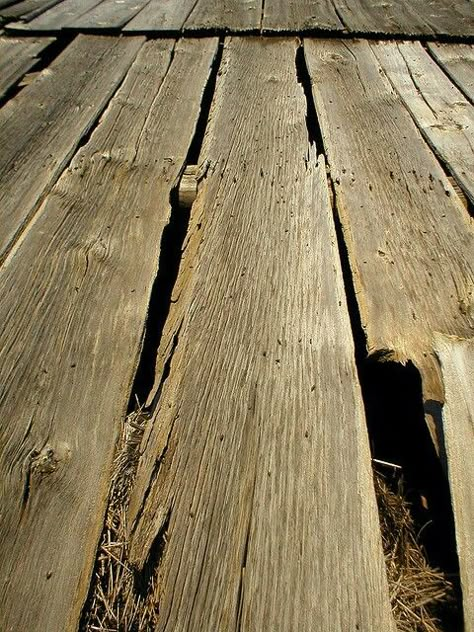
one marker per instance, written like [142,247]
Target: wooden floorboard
[407,17]
[458,62]
[109,14]
[168,15]
[257,460]
[59,107]
[59,16]
[457,367]
[297,15]
[17,57]
[28,9]
[403,223]
[444,116]
[235,15]
[96,245]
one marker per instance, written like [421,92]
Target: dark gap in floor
[172,242]
[304,79]
[44,59]
[262,16]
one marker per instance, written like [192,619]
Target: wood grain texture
[59,16]
[457,367]
[17,57]
[410,240]
[66,363]
[300,15]
[257,462]
[109,14]
[458,61]
[408,17]
[164,15]
[59,107]
[444,116]
[229,15]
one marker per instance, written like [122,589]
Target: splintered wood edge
[188,187]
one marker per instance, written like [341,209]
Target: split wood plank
[444,116]
[458,61]
[457,368]
[28,9]
[228,15]
[59,108]
[165,16]
[409,238]
[17,57]
[109,14]
[58,17]
[75,299]
[408,17]
[257,462]
[297,15]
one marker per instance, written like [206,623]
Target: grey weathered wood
[257,462]
[28,9]
[58,17]
[74,301]
[165,15]
[109,14]
[300,15]
[457,368]
[6,3]
[458,61]
[408,17]
[17,56]
[410,240]
[41,127]
[444,116]
[229,15]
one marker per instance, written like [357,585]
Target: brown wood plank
[408,17]
[17,57]
[300,15]
[457,367]
[75,298]
[28,9]
[444,116]
[109,14]
[58,17]
[458,61]
[410,240]
[228,15]
[59,108]
[257,458]
[164,15]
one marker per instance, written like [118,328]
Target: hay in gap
[417,591]
[115,604]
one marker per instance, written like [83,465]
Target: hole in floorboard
[304,79]
[413,498]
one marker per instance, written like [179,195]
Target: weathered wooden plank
[109,14]
[257,460]
[444,116]
[408,17]
[458,61]
[28,9]
[457,368]
[59,108]
[6,3]
[410,240]
[17,57]
[228,15]
[75,297]
[297,15]
[58,17]
[166,15]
